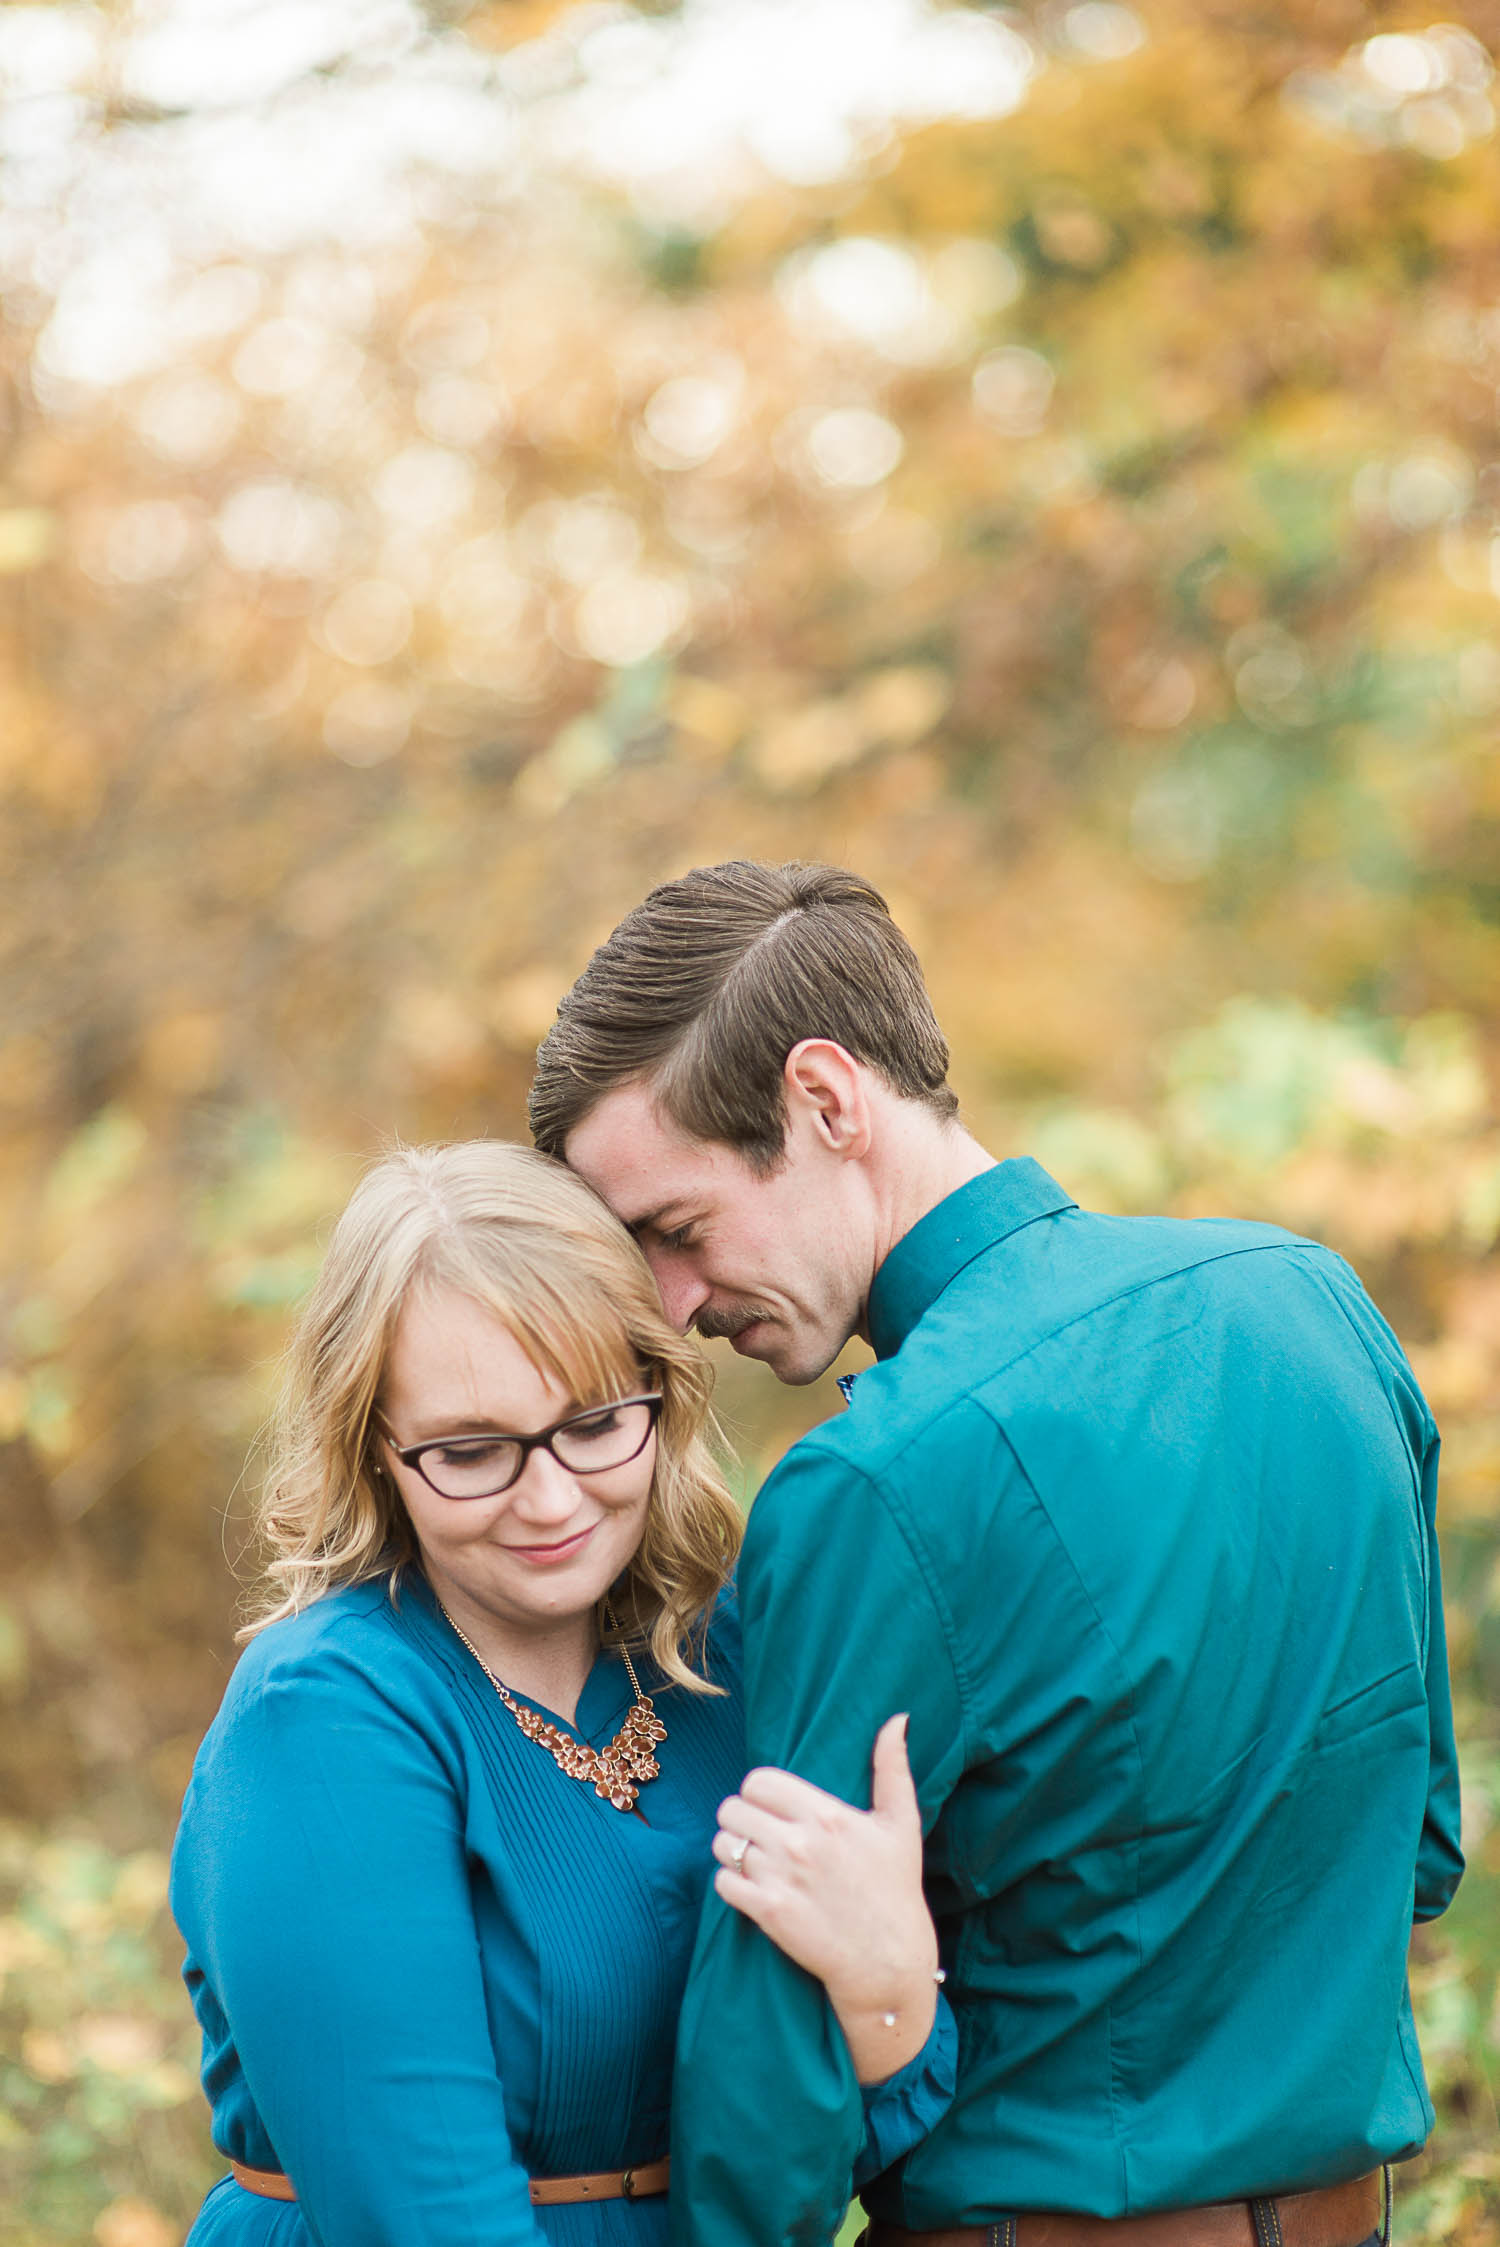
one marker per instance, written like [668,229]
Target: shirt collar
[930,1257]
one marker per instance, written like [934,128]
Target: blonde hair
[519,1234]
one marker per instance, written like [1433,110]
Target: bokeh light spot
[876,292]
[279,528]
[1401,63]
[445,337]
[1102,31]
[1013,389]
[581,538]
[368,622]
[425,486]
[153,538]
[367,723]
[190,418]
[284,355]
[626,617]
[1430,486]
[690,416]
[854,447]
[454,410]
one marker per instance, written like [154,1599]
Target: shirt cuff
[901,2110]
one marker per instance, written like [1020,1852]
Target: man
[1134,1517]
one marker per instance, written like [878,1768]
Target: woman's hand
[840,1891]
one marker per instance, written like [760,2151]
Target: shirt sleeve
[1440,1858]
[843,1628]
[899,2112]
[328,1906]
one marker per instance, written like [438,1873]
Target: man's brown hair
[709,983]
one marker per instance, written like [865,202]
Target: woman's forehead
[452,1345]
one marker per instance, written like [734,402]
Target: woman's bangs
[592,1365]
[565,1320]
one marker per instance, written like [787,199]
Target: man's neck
[924,1160]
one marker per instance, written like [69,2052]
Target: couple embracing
[555,1870]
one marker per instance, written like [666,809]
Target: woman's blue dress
[429,1965]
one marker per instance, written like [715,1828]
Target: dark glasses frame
[412,1454]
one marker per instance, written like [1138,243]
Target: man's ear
[828,1089]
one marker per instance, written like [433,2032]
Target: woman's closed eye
[472,1451]
[595,1427]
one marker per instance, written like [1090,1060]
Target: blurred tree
[1043,456]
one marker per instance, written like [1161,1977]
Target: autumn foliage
[1081,515]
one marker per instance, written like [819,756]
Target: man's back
[1135,1516]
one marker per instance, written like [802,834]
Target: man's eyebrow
[650,1221]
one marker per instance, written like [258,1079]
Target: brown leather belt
[610,2184]
[269,2183]
[546,2192]
[1337,2216]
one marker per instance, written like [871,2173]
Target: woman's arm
[840,1891]
[320,1880]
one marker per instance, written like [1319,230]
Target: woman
[443,1853]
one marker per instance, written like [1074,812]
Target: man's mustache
[723,1323]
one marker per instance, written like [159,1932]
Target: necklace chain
[617,1773]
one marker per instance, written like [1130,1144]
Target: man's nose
[682,1291]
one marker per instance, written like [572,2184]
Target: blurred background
[460,464]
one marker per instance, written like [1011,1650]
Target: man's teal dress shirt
[1135,1517]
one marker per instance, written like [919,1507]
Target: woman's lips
[547,1556]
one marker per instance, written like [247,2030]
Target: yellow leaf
[712,718]
[435,1031]
[98,1159]
[181,1052]
[141,1889]
[118,2043]
[168,2084]
[134,2223]
[45,2055]
[13,1403]
[795,753]
[580,753]
[27,537]
[524,1006]
[22,1945]
[898,707]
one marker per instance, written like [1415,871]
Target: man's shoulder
[903,1424]
[1084,1271]
[936,1412]
[1114,1252]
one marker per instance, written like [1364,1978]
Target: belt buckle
[627,2185]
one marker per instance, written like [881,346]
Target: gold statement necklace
[618,1772]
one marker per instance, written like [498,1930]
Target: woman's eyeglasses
[586,1443]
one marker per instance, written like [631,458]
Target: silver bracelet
[939,1975]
